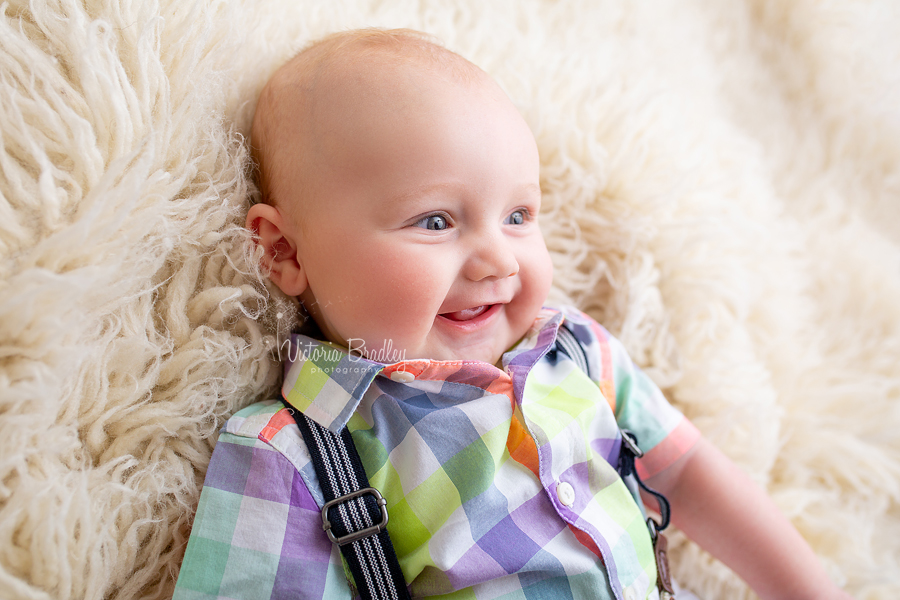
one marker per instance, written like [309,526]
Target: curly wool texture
[722,189]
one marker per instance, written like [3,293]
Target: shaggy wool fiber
[722,189]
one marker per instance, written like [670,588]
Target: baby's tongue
[466,314]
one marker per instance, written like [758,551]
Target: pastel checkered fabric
[499,482]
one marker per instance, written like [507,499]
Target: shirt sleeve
[257,532]
[662,432]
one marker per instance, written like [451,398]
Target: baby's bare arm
[718,506]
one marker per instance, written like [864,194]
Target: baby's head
[400,198]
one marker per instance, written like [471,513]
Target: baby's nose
[493,260]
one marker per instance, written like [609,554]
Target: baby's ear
[280,257]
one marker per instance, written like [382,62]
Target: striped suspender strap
[571,347]
[354,515]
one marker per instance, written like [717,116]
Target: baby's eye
[517,217]
[432,222]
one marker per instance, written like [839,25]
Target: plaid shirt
[499,482]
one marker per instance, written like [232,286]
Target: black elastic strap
[627,456]
[354,515]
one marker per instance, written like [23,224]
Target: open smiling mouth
[468,314]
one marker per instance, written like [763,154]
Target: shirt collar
[326,383]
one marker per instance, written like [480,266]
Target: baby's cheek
[398,277]
[401,293]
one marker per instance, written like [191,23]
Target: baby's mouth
[466,314]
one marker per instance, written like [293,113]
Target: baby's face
[422,239]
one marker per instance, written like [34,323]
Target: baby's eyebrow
[531,188]
[423,191]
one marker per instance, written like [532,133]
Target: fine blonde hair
[298,77]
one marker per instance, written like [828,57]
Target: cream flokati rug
[722,189]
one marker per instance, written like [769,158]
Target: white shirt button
[402,376]
[629,594]
[565,493]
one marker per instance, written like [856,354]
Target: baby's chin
[488,353]
[388,353]
[488,347]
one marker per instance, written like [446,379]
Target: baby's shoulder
[251,421]
[590,334]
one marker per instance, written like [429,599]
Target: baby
[401,200]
